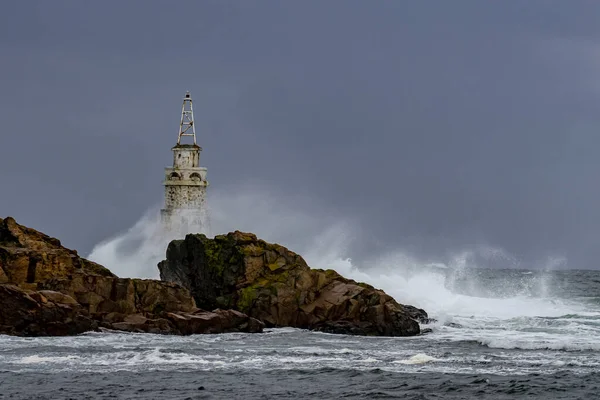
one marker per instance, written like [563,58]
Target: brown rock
[56,292]
[28,256]
[276,286]
[140,323]
[103,295]
[57,297]
[218,321]
[35,315]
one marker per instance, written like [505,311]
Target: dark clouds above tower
[437,124]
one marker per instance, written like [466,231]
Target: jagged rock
[276,286]
[28,257]
[141,323]
[33,314]
[47,289]
[103,295]
[56,297]
[217,321]
[184,323]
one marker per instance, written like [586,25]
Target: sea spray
[136,252]
[484,316]
[444,287]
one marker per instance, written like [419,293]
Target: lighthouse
[185,182]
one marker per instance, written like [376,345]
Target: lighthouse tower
[185,182]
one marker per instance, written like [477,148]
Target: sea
[498,334]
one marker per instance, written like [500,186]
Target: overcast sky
[435,124]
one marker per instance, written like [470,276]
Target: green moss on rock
[273,284]
[274,266]
[212,250]
[246,299]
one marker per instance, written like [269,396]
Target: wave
[463,352]
[447,288]
[563,342]
[420,358]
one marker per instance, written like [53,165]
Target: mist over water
[137,251]
[508,307]
[498,331]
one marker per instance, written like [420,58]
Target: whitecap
[420,358]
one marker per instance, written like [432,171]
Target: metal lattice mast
[186,127]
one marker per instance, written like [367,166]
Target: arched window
[174,176]
[195,176]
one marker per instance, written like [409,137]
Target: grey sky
[436,124]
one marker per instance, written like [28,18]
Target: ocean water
[500,334]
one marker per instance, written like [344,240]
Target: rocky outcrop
[47,289]
[28,256]
[183,323]
[217,321]
[102,295]
[276,286]
[29,313]
[142,305]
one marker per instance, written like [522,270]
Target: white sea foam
[36,359]
[136,252]
[501,322]
[420,358]
[319,350]
[527,342]
[145,352]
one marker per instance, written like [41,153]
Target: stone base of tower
[183,221]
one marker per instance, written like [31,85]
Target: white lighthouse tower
[185,182]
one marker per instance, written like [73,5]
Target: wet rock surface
[276,286]
[28,313]
[28,256]
[47,289]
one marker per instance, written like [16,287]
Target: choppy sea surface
[500,334]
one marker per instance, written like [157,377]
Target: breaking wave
[493,311]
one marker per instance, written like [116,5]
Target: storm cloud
[434,125]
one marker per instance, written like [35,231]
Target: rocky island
[232,283]
[276,286]
[47,289]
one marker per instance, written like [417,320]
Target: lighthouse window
[195,176]
[174,176]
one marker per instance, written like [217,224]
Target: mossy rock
[275,285]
